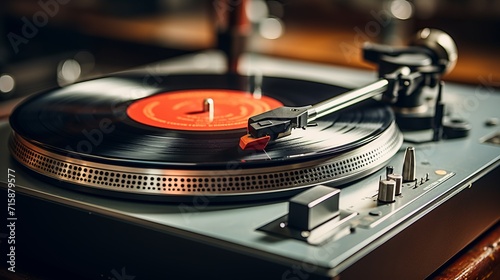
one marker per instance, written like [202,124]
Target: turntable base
[103,237]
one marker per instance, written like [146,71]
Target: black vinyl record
[147,137]
[89,120]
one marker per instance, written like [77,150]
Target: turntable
[282,170]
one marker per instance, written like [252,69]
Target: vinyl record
[156,128]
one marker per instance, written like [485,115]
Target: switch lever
[313,207]
[313,216]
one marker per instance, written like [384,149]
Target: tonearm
[403,73]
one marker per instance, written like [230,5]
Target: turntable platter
[122,135]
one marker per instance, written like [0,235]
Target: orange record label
[200,109]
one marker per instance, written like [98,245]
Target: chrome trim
[336,169]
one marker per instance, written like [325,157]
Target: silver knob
[409,165]
[399,181]
[386,191]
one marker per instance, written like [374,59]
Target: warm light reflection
[68,72]
[7,83]
[271,28]
[401,9]
[256,10]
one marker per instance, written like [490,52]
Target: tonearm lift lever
[403,73]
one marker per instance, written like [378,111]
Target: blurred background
[46,43]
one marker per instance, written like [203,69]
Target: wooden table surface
[480,260]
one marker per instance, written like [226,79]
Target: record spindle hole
[208,106]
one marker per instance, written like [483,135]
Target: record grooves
[83,135]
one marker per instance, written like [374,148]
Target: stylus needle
[247,142]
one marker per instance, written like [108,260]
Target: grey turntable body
[407,239]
